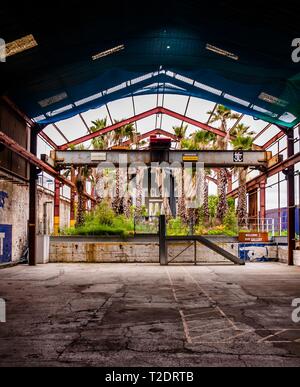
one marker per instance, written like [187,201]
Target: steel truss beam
[144,136]
[254,183]
[138,117]
[33,160]
[48,140]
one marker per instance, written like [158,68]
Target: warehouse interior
[139,299]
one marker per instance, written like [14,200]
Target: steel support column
[163,247]
[72,202]
[291,200]
[32,230]
[253,206]
[262,193]
[56,207]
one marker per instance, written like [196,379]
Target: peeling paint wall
[15,212]
[46,196]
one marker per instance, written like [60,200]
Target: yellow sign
[190,158]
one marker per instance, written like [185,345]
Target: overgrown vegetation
[103,222]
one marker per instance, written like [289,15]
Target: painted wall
[14,213]
[14,205]
[262,252]
[46,196]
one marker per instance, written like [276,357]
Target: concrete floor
[146,315]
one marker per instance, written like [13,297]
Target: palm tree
[204,140]
[180,132]
[101,142]
[124,132]
[119,135]
[83,174]
[243,141]
[222,115]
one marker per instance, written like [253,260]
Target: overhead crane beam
[214,159]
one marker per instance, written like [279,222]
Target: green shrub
[103,222]
[230,220]
[176,227]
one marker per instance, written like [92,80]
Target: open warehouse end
[149,185]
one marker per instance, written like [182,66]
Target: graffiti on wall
[258,252]
[5,243]
[3,197]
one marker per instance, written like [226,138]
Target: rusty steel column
[72,203]
[32,228]
[253,206]
[262,195]
[56,207]
[290,173]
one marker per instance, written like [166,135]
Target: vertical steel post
[172,199]
[56,207]
[291,200]
[262,214]
[72,202]
[32,229]
[163,246]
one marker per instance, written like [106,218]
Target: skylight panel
[264,111]
[184,79]
[208,88]
[88,99]
[59,111]
[237,100]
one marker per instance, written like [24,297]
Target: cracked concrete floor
[147,315]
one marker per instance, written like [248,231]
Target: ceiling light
[273,100]
[220,51]
[20,45]
[52,100]
[108,52]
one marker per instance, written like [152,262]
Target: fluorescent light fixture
[20,45]
[108,52]
[220,51]
[273,100]
[52,100]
